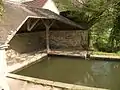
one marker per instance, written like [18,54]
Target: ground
[23,85]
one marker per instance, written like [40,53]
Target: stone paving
[13,57]
[24,85]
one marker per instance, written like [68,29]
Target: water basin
[74,70]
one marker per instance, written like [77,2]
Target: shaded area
[102,74]
[58,40]
[76,16]
[25,43]
[68,40]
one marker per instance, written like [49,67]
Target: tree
[102,18]
[114,38]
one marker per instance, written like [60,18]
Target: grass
[105,53]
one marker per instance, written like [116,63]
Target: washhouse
[46,48]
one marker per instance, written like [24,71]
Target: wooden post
[47,24]
[47,39]
[30,27]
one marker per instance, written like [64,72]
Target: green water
[102,74]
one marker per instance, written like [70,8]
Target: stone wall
[59,40]
[69,40]
[28,42]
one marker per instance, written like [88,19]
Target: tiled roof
[36,3]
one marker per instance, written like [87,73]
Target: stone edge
[51,83]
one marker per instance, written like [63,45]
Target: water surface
[95,73]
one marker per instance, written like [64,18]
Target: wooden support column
[48,24]
[47,39]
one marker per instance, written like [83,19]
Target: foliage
[111,31]
[114,38]
[101,16]
[1,8]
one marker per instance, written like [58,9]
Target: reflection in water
[101,73]
[101,68]
[104,74]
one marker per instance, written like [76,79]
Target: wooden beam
[30,27]
[47,24]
